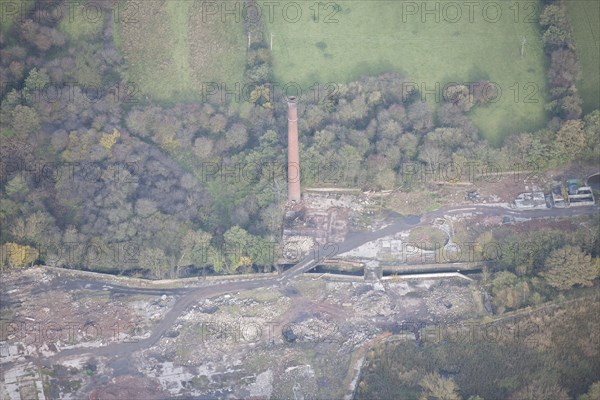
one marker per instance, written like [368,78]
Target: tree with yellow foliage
[436,387]
[18,255]
[570,139]
[570,266]
[108,140]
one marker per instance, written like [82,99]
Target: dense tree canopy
[570,266]
[113,168]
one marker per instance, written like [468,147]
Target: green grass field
[80,28]
[171,52]
[372,37]
[585,19]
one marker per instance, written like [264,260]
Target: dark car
[572,186]
[472,196]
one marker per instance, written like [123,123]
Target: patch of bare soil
[536,225]
[42,317]
[491,188]
[129,387]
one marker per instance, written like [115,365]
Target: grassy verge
[585,20]
[428,237]
[79,28]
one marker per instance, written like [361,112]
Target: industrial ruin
[319,217]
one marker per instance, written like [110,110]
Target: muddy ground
[428,194]
[259,344]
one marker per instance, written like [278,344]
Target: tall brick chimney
[293,152]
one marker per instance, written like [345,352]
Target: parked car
[572,186]
[472,196]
